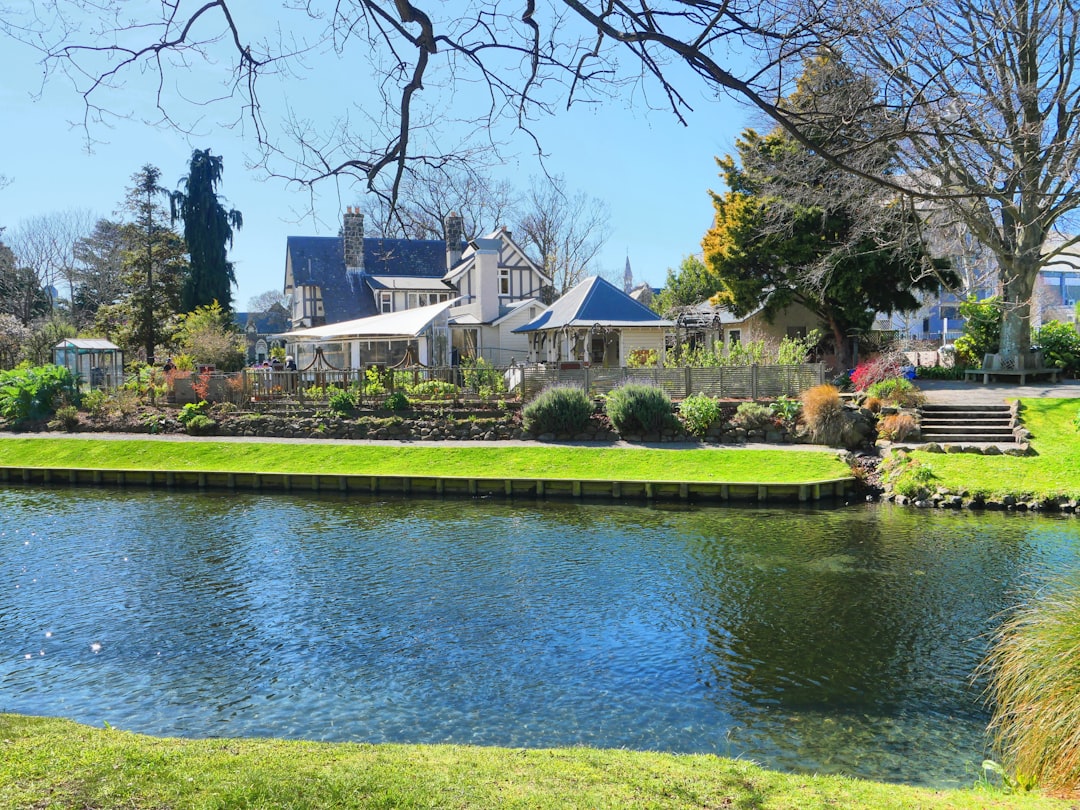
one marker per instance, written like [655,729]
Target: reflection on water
[835,641]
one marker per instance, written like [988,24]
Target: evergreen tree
[208,231]
[793,229]
[99,276]
[153,268]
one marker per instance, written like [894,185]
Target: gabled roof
[595,301]
[273,320]
[403,324]
[494,242]
[320,261]
[88,344]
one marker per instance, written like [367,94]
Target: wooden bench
[1031,365]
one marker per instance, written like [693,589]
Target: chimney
[455,235]
[352,238]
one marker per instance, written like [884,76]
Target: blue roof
[320,261]
[595,301]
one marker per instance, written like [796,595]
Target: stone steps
[965,424]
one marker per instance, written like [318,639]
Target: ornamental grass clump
[638,408]
[1034,686]
[698,413]
[823,414]
[558,409]
[896,427]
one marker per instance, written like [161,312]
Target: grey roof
[320,261]
[595,301]
[88,344]
[266,323]
[407,283]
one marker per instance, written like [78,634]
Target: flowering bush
[882,367]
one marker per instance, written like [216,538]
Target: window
[504,281]
[796,332]
[386,302]
[734,336]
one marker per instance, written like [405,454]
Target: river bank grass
[517,461]
[60,764]
[1052,472]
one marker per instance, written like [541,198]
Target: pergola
[96,362]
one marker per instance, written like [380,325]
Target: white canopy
[407,323]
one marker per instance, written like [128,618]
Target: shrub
[67,418]
[433,389]
[642,358]
[754,416]
[95,402]
[343,401]
[1060,345]
[637,408]
[190,411]
[896,427]
[34,392]
[1034,685]
[823,413]
[982,330]
[786,409]
[698,413]
[897,391]
[397,401]
[480,376]
[558,409]
[883,367]
[872,404]
[940,372]
[200,425]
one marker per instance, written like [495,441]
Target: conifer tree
[208,231]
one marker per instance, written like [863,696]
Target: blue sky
[653,172]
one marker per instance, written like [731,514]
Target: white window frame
[504,281]
[386,302]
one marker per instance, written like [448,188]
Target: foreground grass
[582,463]
[1053,472]
[50,763]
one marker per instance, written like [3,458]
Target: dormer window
[504,281]
[386,302]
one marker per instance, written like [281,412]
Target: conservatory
[95,362]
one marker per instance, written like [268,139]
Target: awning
[407,323]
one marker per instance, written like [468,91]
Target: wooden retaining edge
[442,486]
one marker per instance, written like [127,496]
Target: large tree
[984,98]
[208,232]
[429,193]
[693,283]
[793,229]
[518,61]
[154,266]
[98,279]
[565,229]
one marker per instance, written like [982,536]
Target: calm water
[828,641]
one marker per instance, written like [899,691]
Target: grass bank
[1052,472]
[574,463]
[57,763]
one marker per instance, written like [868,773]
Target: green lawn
[49,763]
[1054,470]
[582,463]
